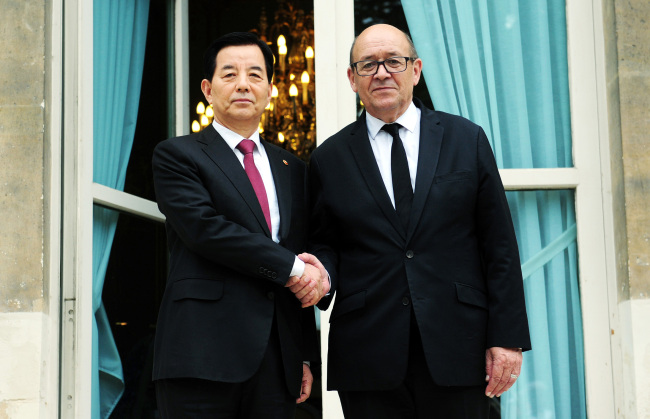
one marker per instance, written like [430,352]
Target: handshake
[314,283]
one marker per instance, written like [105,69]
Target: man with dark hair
[234,339]
[411,221]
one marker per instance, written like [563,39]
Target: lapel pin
[285,162]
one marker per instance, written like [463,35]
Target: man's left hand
[502,366]
[305,386]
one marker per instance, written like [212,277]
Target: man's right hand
[313,284]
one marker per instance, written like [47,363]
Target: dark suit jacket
[457,267]
[226,276]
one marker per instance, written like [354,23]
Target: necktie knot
[246,146]
[392,129]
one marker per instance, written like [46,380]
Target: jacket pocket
[450,177]
[469,295]
[348,304]
[197,289]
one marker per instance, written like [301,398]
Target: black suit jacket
[226,276]
[457,267]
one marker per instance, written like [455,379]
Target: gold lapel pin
[285,162]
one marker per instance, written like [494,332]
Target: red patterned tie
[247,146]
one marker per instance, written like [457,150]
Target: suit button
[262,270]
[270,295]
[406,301]
[409,254]
[274,275]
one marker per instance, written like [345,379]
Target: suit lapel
[282,181]
[360,147]
[222,155]
[429,151]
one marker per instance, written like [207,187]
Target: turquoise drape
[119,38]
[503,65]
[551,383]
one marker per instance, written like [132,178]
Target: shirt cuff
[298,268]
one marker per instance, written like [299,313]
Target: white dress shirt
[263,166]
[381,143]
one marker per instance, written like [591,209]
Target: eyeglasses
[391,65]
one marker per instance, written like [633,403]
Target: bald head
[382,29]
[386,94]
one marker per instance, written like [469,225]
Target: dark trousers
[418,397]
[265,395]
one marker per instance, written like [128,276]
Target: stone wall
[22,64]
[633,32]
[633,62]
[22,45]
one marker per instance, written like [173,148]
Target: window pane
[133,288]
[503,65]
[155,112]
[552,382]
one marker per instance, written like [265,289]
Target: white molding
[336,107]
[51,320]
[586,85]
[84,244]
[622,372]
[528,179]
[122,201]
[76,251]
[182,66]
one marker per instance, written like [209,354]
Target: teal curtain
[119,38]
[503,65]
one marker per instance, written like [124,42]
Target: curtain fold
[119,38]
[503,65]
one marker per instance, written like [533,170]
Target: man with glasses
[410,219]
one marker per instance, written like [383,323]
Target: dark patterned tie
[246,146]
[402,189]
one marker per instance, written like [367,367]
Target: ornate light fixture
[290,119]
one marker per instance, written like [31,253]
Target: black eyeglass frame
[379,63]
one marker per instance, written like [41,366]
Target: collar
[232,138]
[409,120]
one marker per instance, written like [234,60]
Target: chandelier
[289,120]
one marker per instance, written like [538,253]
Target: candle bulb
[282,50]
[200,108]
[309,54]
[283,55]
[274,95]
[293,92]
[305,84]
